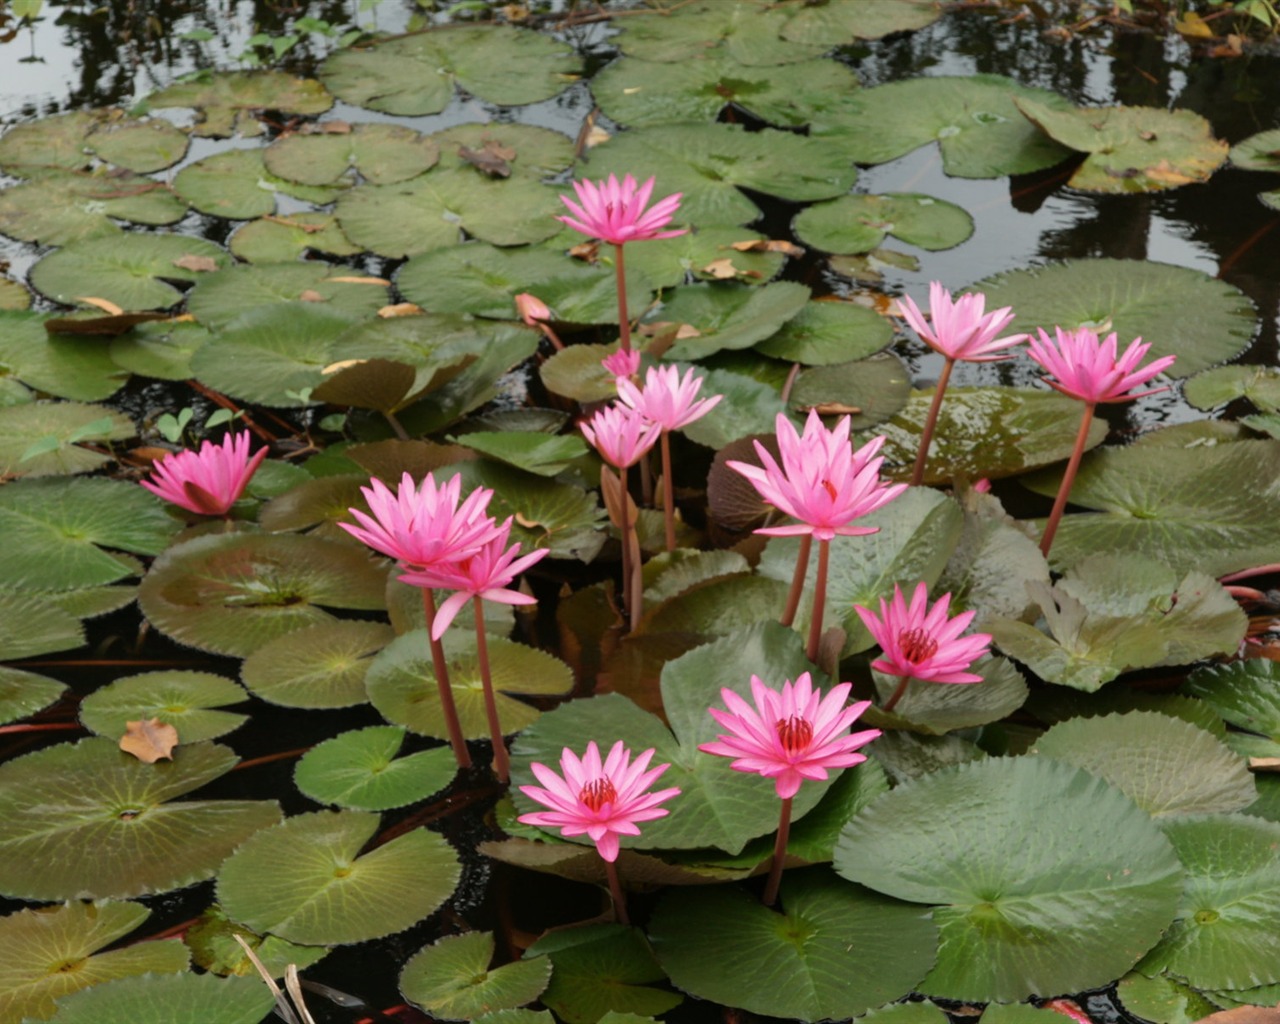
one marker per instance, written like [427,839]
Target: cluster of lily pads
[1051,829]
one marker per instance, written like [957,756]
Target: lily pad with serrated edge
[576,372]
[24,693]
[644,94]
[161,349]
[452,979]
[526,150]
[433,210]
[63,800]
[720,943]
[1132,149]
[417,74]
[44,438]
[213,945]
[708,163]
[981,132]
[237,185]
[1113,613]
[233,593]
[747,32]
[169,999]
[1245,693]
[286,239]
[316,506]
[90,602]
[129,270]
[31,625]
[1165,765]
[1179,311]
[62,366]
[708,254]
[535,453]
[935,709]
[1224,935]
[226,101]
[828,333]
[1216,387]
[869,391]
[320,666]
[185,700]
[1162,999]
[224,297]
[381,153]
[139,146]
[402,685]
[729,316]
[36,946]
[602,971]
[1210,508]
[61,207]
[1023,906]
[360,770]
[305,881]
[858,224]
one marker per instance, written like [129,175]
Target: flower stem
[501,763]
[931,421]
[819,600]
[797,580]
[896,696]
[624,514]
[615,890]
[770,896]
[551,336]
[624,320]
[668,492]
[1068,478]
[441,668]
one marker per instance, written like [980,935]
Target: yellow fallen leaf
[106,305]
[768,245]
[149,740]
[361,280]
[342,364]
[399,309]
[311,295]
[201,264]
[1193,26]
[721,269]
[596,136]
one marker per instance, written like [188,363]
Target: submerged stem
[819,600]
[770,896]
[624,320]
[1068,478]
[624,514]
[931,421]
[501,762]
[896,696]
[668,492]
[440,666]
[615,890]
[797,580]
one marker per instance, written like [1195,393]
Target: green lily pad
[233,593]
[380,153]
[858,224]
[1132,149]
[705,254]
[13,296]
[525,150]
[90,602]
[402,684]
[36,946]
[160,349]
[531,452]
[221,299]
[129,270]
[981,132]
[169,999]
[747,406]
[28,149]
[416,74]
[1024,907]
[185,700]
[321,666]
[286,239]
[602,972]
[432,212]
[1180,311]
[60,365]
[360,770]
[708,163]
[720,943]
[61,207]
[1216,387]
[63,800]
[139,146]
[935,709]
[729,316]
[1113,613]
[305,881]
[641,93]
[227,100]
[869,391]
[1258,152]
[748,32]
[575,372]
[1224,934]
[1210,508]
[1165,765]
[827,333]
[452,979]
[31,625]
[1162,999]
[833,24]
[1244,693]
[44,438]
[212,941]
[237,185]
[24,693]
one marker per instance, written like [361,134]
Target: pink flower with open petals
[961,328]
[920,642]
[667,400]
[822,481]
[602,801]
[207,482]
[616,213]
[421,525]
[621,435]
[623,363]
[1090,370]
[792,735]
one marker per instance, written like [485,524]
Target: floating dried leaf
[311,295]
[106,305]
[596,136]
[399,309]
[380,281]
[769,245]
[149,740]
[201,264]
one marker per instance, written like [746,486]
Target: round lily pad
[58,208]
[720,943]
[1023,906]
[749,32]
[160,349]
[827,333]
[226,101]
[836,24]
[747,406]
[140,146]
[185,700]
[402,684]
[936,709]
[381,153]
[452,979]
[232,593]
[868,391]
[1223,384]
[286,239]
[1162,999]
[305,880]
[28,149]
[237,185]
[360,770]
[24,693]
[1245,693]
[857,224]
[728,316]
[62,366]
[517,149]
[31,625]
[221,298]
[44,438]
[169,999]
[321,666]
[416,74]
[64,800]
[1259,152]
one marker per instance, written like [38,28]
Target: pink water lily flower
[621,435]
[615,212]
[919,642]
[961,328]
[667,399]
[207,482]
[602,801]
[623,363]
[1089,369]
[790,735]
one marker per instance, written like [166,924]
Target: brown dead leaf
[149,740]
[585,251]
[399,309]
[515,12]
[528,524]
[1233,47]
[334,128]
[198,264]
[1147,136]
[311,295]
[106,305]
[596,136]
[1264,764]
[835,409]
[360,280]
[721,269]
[1167,174]
[687,331]
[487,159]
[768,245]
[100,326]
